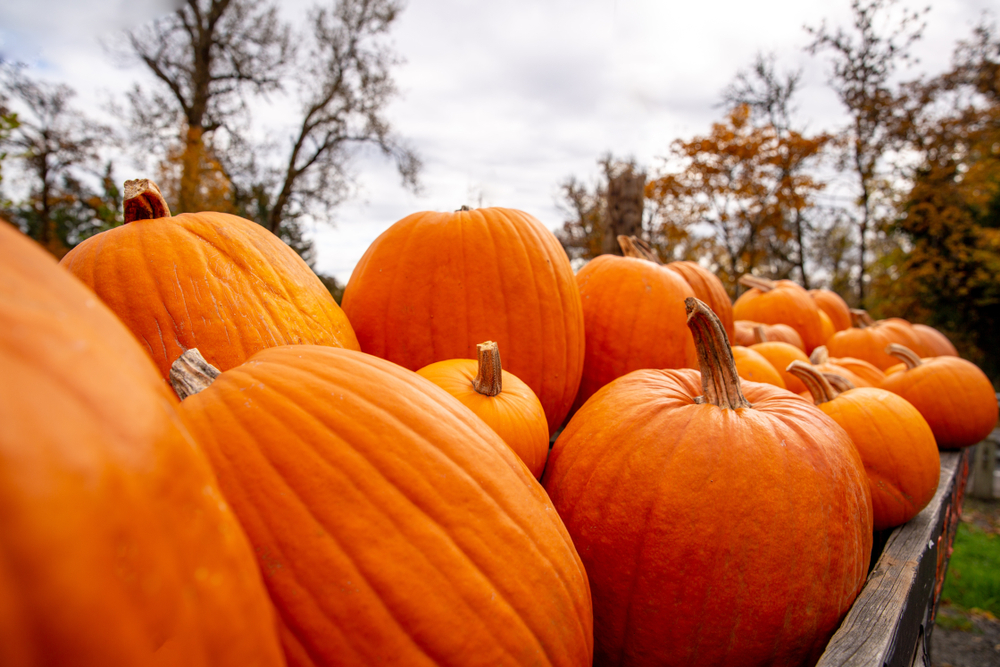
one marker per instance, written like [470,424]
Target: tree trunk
[625,200]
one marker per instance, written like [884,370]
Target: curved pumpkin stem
[750,280]
[814,380]
[759,335]
[839,382]
[904,354]
[719,379]
[820,355]
[143,201]
[860,319]
[489,378]
[191,374]
[633,246]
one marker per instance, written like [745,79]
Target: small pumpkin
[780,302]
[953,395]
[867,339]
[500,399]
[860,372]
[895,442]
[780,355]
[648,477]
[743,332]
[834,306]
[754,367]
[208,280]
[763,333]
[392,525]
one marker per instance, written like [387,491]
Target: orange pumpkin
[780,302]
[117,546]
[834,306]
[208,280]
[858,371]
[393,525]
[434,285]
[500,399]
[867,340]
[953,395]
[743,332]
[763,333]
[935,343]
[780,355]
[671,483]
[827,325]
[754,367]
[896,444]
[633,314]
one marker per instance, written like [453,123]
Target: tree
[55,147]
[864,62]
[210,55]
[731,194]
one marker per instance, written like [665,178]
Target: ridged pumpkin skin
[787,303]
[834,306]
[213,281]
[935,343]
[393,526]
[633,312]
[780,355]
[515,413]
[896,445]
[116,547]
[673,507]
[707,287]
[954,396]
[754,367]
[434,285]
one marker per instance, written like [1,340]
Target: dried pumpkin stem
[820,355]
[143,201]
[904,354]
[860,318]
[191,374]
[759,335]
[489,378]
[633,246]
[750,280]
[814,380]
[719,379]
[838,382]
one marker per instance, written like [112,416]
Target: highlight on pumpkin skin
[719,379]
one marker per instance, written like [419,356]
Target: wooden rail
[890,623]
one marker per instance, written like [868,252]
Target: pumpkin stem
[750,280]
[633,246]
[143,201]
[820,355]
[488,380]
[838,382]
[464,208]
[759,335]
[904,354]
[814,380]
[860,319]
[719,379]
[191,374]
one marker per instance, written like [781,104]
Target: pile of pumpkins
[206,461]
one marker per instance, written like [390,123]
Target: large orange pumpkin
[953,395]
[633,313]
[117,547]
[500,399]
[671,484]
[434,285]
[896,444]
[208,280]
[780,302]
[394,527]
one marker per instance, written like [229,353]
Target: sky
[503,101]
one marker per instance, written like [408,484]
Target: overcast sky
[505,100]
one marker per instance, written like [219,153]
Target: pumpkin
[633,313]
[743,332]
[500,399]
[895,442]
[860,372]
[780,302]
[434,285]
[953,395]
[763,333]
[827,325]
[867,340]
[780,355]
[208,280]
[118,548]
[706,285]
[834,306]
[392,524]
[935,343]
[671,483]
[754,367]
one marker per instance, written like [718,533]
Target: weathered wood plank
[890,622]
